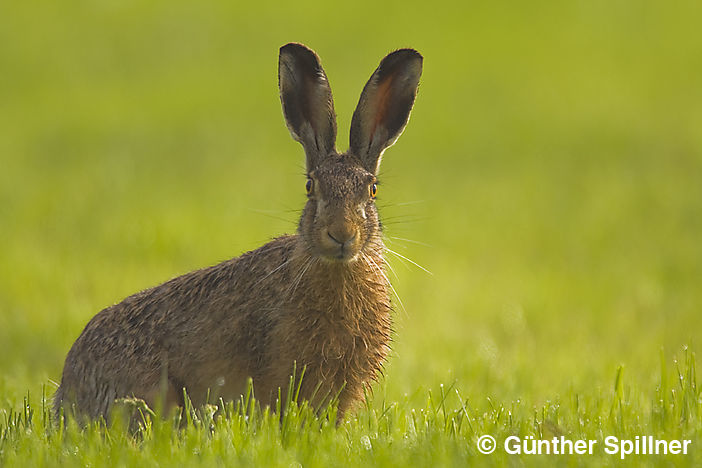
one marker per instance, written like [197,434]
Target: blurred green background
[550,177]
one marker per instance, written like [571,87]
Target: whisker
[273,271]
[389,240]
[286,209]
[404,216]
[392,269]
[299,277]
[268,214]
[401,260]
[290,290]
[407,203]
[312,262]
[409,260]
[410,240]
[411,202]
[372,262]
[404,219]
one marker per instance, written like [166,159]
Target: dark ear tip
[407,54]
[300,57]
[298,50]
[402,59]
[290,46]
[403,56]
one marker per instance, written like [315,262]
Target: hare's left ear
[307,102]
[384,107]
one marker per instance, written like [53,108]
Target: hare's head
[340,218]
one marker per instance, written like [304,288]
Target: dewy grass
[445,430]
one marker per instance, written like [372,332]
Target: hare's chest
[353,345]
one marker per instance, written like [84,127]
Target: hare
[318,299]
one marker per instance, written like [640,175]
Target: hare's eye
[373,190]
[308,186]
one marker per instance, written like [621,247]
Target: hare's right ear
[384,107]
[307,102]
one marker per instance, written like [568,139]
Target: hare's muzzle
[340,242]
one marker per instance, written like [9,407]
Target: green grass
[550,179]
[443,430]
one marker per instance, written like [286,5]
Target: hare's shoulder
[222,279]
[268,256]
[177,306]
[200,287]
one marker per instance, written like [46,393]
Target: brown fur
[317,300]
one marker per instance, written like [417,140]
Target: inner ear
[307,102]
[385,105]
[392,101]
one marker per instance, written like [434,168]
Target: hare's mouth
[341,254]
[346,257]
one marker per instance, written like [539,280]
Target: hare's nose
[342,235]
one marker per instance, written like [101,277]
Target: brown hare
[318,299]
